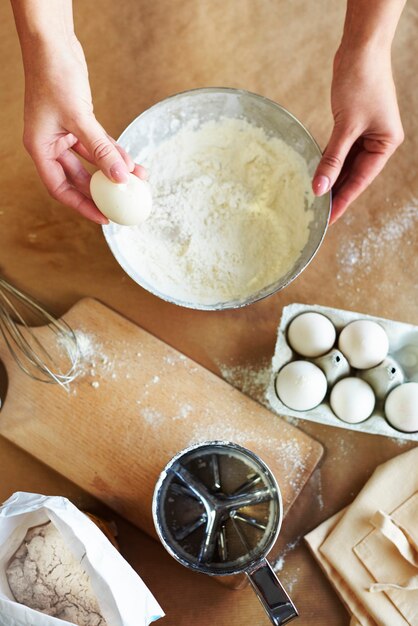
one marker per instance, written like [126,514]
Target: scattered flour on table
[174,359]
[288,454]
[152,416]
[92,353]
[344,447]
[231,213]
[366,252]
[291,580]
[185,411]
[316,485]
[251,379]
[279,563]
[400,442]
[92,359]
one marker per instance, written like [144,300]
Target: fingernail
[118,172]
[321,185]
[141,172]
[101,220]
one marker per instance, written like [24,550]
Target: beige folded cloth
[314,540]
[369,550]
[389,554]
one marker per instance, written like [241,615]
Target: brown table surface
[139,52]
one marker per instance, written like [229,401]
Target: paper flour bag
[53,557]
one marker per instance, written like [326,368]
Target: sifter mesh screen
[218,508]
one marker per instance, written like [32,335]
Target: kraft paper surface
[139,52]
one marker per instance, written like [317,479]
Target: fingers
[76,173]
[101,150]
[54,177]
[363,170]
[36,145]
[125,156]
[134,168]
[140,171]
[349,164]
[332,160]
[83,152]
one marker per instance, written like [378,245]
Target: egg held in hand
[301,385]
[128,204]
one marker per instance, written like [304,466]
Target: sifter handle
[272,595]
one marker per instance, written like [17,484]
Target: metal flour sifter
[217,509]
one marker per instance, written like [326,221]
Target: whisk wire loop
[30,354]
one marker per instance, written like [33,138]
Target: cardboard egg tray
[403,349]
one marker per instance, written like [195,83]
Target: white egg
[352,400]
[301,385]
[128,203]
[311,334]
[401,407]
[364,343]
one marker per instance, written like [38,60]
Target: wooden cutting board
[138,403]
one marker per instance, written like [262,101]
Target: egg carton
[403,352]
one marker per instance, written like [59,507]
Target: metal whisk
[53,361]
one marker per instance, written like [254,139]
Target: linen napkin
[369,550]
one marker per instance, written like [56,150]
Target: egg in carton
[346,369]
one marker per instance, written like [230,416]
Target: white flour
[252,379]
[370,252]
[230,213]
[279,563]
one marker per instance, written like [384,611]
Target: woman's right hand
[60,127]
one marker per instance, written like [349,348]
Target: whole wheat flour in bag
[45,576]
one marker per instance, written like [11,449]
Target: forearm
[371,24]
[43,26]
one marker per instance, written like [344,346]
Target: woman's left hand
[367,126]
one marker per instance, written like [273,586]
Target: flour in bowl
[231,213]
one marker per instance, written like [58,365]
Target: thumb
[102,151]
[332,160]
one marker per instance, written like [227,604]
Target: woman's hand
[60,126]
[367,126]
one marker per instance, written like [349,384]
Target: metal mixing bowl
[165,118]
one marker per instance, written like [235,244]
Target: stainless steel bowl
[165,118]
